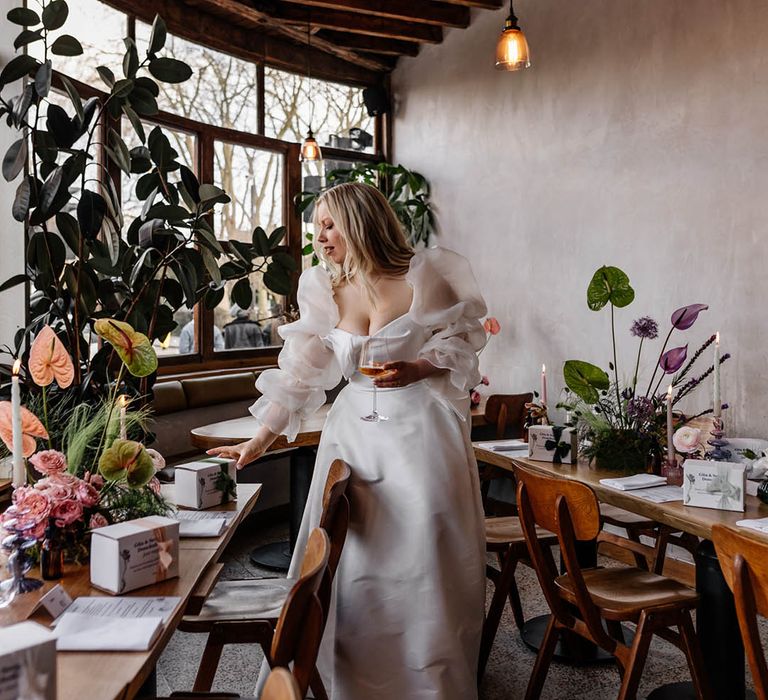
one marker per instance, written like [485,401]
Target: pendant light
[310,149]
[512,48]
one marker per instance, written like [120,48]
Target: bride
[408,603]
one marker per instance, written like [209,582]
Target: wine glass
[373,356]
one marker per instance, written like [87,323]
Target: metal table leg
[277,555]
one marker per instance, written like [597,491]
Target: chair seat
[622,518]
[507,530]
[622,593]
[250,599]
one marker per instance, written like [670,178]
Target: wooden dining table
[716,622]
[119,675]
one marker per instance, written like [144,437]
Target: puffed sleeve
[448,303]
[307,365]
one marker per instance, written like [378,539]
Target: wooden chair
[507,413]
[744,560]
[582,599]
[281,685]
[239,612]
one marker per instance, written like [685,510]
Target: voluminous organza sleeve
[307,365]
[447,301]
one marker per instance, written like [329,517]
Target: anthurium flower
[31,428]
[49,360]
[134,348]
[491,326]
[686,316]
[127,460]
[672,360]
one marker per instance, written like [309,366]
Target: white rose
[687,439]
[157,459]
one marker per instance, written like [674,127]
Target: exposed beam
[351,22]
[426,11]
[372,44]
[248,44]
[253,17]
[484,4]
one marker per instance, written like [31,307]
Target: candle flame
[717,338]
[16,368]
[543,369]
[122,400]
[669,392]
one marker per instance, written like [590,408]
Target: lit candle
[670,432]
[19,470]
[123,402]
[544,386]
[716,379]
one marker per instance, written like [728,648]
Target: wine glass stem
[375,412]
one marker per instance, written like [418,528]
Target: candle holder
[673,472]
[20,560]
[718,442]
[536,414]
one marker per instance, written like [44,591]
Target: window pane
[182,339]
[100,29]
[253,178]
[335,112]
[222,90]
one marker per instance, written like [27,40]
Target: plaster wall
[637,139]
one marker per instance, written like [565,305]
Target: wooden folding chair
[743,559]
[238,612]
[582,600]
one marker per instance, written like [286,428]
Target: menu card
[503,445]
[203,523]
[637,481]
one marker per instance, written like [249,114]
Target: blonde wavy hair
[376,242]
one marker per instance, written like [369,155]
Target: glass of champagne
[373,357]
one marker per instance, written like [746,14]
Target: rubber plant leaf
[134,348]
[49,360]
[31,428]
[585,380]
[609,284]
[127,461]
[686,316]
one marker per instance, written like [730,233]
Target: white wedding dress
[408,603]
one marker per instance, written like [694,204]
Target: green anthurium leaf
[127,461]
[585,380]
[609,285]
[134,348]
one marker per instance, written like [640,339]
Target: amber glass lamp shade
[512,48]
[310,150]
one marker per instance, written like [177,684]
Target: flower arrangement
[492,327]
[622,425]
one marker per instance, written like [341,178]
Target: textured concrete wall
[637,139]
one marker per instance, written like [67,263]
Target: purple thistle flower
[645,328]
[640,408]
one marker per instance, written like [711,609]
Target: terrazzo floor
[508,670]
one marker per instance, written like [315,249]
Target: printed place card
[718,485]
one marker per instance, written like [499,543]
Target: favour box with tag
[205,483]
[719,485]
[27,662]
[552,443]
[135,553]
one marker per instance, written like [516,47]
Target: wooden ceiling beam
[484,4]
[426,11]
[372,44]
[350,22]
[248,44]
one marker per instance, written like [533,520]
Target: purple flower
[645,328]
[672,360]
[640,408]
[686,316]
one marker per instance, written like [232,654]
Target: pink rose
[86,494]
[55,490]
[687,439]
[49,462]
[154,485]
[31,505]
[485,381]
[67,512]
[95,480]
[157,459]
[97,520]
[474,397]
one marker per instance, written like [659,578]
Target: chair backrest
[300,625]
[744,561]
[334,518]
[280,685]
[571,511]
[507,413]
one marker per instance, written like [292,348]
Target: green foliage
[82,262]
[121,504]
[408,193]
[609,285]
[585,380]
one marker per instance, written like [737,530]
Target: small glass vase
[623,451]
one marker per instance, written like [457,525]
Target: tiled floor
[508,669]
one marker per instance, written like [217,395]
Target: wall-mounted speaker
[376,100]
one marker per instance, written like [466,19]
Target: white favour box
[198,484]
[136,553]
[545,447]
[27,662]
[719,485]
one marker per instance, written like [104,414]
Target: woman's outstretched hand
[248,451]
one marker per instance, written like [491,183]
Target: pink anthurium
[31,428]
[686,316]
[49,360]
[672,360]
[491,326]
